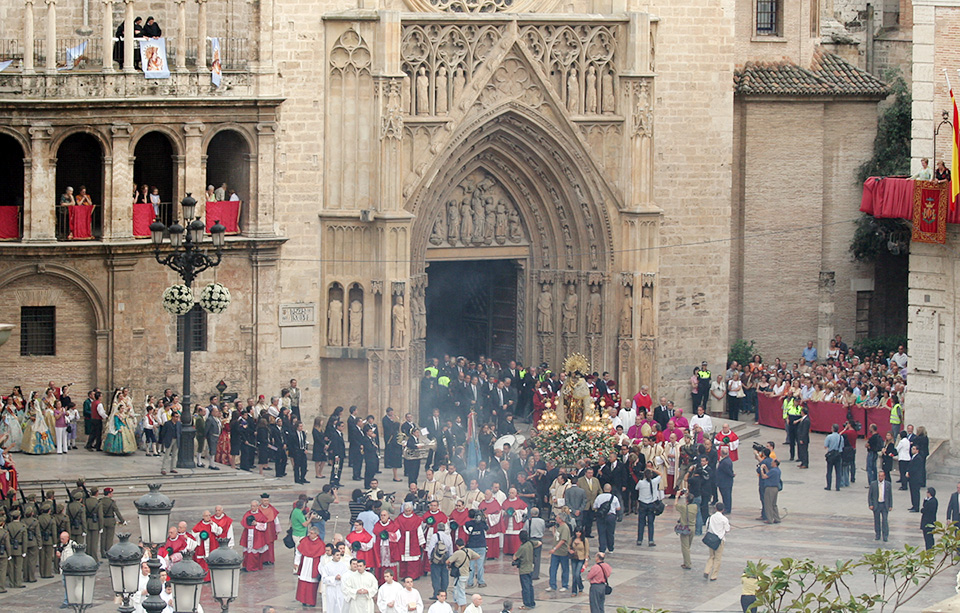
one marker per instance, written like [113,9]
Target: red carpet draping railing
[823,415]
[886,197]
[81,217]
[9,223]
[227,212]
[143,216]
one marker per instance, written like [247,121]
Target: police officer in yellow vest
[791,415]
[896,417]
[703,387]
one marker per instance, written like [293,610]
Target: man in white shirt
[359,588]
[441,605]
[717,524]
[388,595]
[900,357]
[409,600]
[474,606]
[438,572]
[704,421]
[606,517]
[274,408]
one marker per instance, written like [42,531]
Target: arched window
[80,165]
[228,163]
[11,194]
[153,166]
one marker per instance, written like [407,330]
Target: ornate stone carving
[595,311]
[570,310]
[639,98]
[355,335]
[335,323]
[419,313]
[396,368]
[350,53]
[481,6]
[391,124]
[478,211]
[513,80]
[626,312]
[398,320]
[647,327]
[376,287]
[545,310]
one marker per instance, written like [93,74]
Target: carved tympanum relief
[478,211]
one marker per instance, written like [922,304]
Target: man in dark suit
[928,516]
[371,456]
[614,472]
[336,452]
[915,478]
[279,441]
[724,479]
[661,414]
[880,499]
[953,507]
[510,396]
[803,438]
[354,436]
[170,443]
[434,428]
[483,476]
[297,443]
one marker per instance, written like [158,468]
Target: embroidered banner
[930,202]
[216,72]
[153,58]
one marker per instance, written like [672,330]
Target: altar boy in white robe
[332,574]
[359,588]
[388,596]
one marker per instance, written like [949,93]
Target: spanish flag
[955,161]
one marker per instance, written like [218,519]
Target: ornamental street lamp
[80,574]
[187,577]
[188,260]
[124,559]
[224,564]
[154,510]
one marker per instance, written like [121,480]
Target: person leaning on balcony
[210,195]
[925,173]
[152,29]
[941,173]
[66,199]
[83,198]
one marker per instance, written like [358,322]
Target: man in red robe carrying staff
[273,527]
[254,540]
[309,551]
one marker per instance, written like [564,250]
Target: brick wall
[946,57]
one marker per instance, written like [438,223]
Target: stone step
[942,461]
[187,480]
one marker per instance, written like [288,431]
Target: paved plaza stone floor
[822,525]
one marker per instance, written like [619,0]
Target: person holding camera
[460,562]
[476,530]
[560,555]
[523,560]
[320,509]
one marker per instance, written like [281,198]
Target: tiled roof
[828,75]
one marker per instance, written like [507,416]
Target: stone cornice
[138,103]
[132,248]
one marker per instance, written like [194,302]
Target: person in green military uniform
[18,549]
[51,498]
[94,524]
[31,503]
[32,561]
[47,524]
[76,517]
[110,514]
[4,554]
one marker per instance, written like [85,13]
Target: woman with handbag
[714,537]
[650,499]
[579,553]
[686,524]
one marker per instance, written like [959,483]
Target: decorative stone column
[261,207]
[181,35]
[107,34]
[39,213]
[51,50]
[128,42]
[193,177]
[28,37]
[202,36]
[119,209]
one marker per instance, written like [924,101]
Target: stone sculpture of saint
[592,90]
[405,94]
[335,323]
[442,91]
[609,100]
[490,223]
[573,92]
[545,310]
[437,235]
[570,307]
[423,95]
[513,226]
[466,222]
[459,81]
[476,205]
[453,221]
[594,312]
[399,324]
[646,311]
[355,338]
[626,314]
[419,315]
[500,223]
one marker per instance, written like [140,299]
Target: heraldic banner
[930,202]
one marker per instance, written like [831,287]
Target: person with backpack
[650,498]
[523,560]
[605,509]
[439,548]
[459,564]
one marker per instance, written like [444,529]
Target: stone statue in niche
[592,90]
[568,245]
[594,256]
[594,311]
[545,310]
[399,317]
[626,313]
[459,81]
[570,310]
[500,223]
[418,306]
[608,102]
[466,221]
[335,323]
[513,226]
[490,221]
[438,234]
[646,310]
[442,91]
[355,338]
[573,92]
[405,95]
[453,221]
[479,215]
[423,96]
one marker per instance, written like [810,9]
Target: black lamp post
[124,559]
[187,577]
[188,260]
[224,564]
[154,510]
[80,575]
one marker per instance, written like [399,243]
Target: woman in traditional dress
[10,425]
[223,455]
[37,436]
[128,432]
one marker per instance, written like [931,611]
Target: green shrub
[742,351]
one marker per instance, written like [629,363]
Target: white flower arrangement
[215,298]
[178,299]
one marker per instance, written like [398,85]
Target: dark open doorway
[472,309]
[153,166]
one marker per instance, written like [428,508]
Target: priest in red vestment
[309,551]
[458,519]
[729,439]
[386,535]
[411,542]
[273,527]
[254,540]
[206,532]
[543,400]
[431,519]
[494,514]
[514,514]
[174,548]
[225,523]
[362,546]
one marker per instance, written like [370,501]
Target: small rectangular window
[768,17]
[38,330]
[198,331]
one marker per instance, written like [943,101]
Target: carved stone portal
[477,212]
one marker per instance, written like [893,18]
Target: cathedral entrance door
[472,309]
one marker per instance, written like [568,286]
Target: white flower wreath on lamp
[215,298]
[178,299]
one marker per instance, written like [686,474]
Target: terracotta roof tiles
[828,75]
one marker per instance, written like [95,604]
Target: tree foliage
[891,147]
[742,351]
